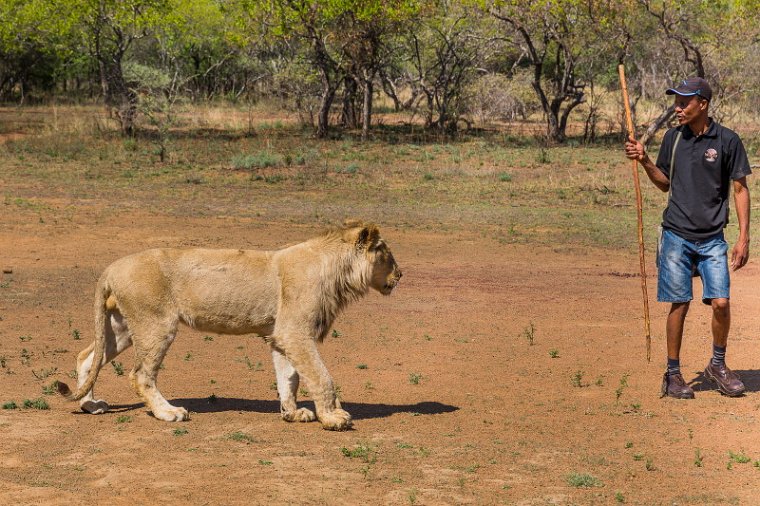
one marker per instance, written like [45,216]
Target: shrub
[583,481]
[259,160]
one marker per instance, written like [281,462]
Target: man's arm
[740,253]
[635,151]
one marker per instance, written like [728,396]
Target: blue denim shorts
[680,259]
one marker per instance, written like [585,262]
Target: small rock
[7,270]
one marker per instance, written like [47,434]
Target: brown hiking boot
[675,386]
[727,380]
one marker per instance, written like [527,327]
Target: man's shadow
[358,410]
[750,378]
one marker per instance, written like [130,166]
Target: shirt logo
[711,155]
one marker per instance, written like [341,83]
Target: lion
[289,296]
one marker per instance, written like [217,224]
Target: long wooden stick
[642,263]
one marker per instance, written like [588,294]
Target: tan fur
[290,296]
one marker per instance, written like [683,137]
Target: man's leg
[674,286]
[673,384]
[674,328]
[727,380]
[721,321]
[713,269]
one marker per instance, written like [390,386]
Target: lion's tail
[103,301]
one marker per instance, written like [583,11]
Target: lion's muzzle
[392,281]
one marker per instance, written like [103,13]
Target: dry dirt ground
[495,374]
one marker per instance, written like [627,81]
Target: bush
[259,160]
[498,97]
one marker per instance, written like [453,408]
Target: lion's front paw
[172,414]
[94,407]
[337,419]
[299,415]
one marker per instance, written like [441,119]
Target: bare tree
[547,39]
[444,52]
[705,38]
[112,27]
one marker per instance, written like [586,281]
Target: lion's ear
[367,236]
[352,223]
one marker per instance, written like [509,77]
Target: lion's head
[384,271]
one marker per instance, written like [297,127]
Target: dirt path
[495,374]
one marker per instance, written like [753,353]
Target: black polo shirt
[705,165]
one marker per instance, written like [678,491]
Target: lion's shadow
[358,410]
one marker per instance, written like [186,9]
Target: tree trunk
[553,128]
[331,78]
[550,111]
[119,95]
[656,125]
[390,90]
[430,109]
[555,133]
[103,79]
[323,118]
[349,117]
[367,109]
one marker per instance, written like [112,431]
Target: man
[706,160]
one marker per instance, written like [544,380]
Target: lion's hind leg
[287,388]
[117,340]
[150,349]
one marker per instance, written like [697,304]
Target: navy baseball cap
[692,86]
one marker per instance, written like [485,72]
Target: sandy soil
[495,374]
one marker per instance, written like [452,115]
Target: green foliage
[259,160]
[529,333]
[118,368]
[146,77]
[582,480]
[362,451]
[739,458]
[623,385]
[449,58]
[44,373]
[258,366]
[50,389]
[38,403]
[241,437]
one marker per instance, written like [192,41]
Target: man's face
[689,108]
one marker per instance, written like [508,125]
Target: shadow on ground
[359,411]
[751,379]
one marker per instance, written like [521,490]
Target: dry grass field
[508,367]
